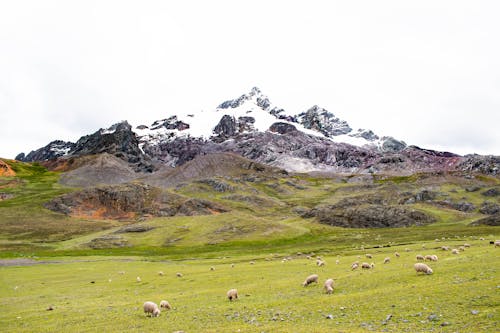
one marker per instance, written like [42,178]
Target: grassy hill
[74,265]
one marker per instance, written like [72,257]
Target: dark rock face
[282,128]
[179,151]
[170,123]
[492,192]
[489,165]
[226,128]
[321,120]
[392,145]
[51,151]
[371,216]
[493,220]
[129,201]
[489,208]
[366,134]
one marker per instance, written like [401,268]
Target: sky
[425,72]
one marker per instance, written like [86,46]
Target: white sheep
[419,257]
[445,248]
[310,279]
[407,249]
[232,294]
[366,265]
[354,265]
[320,262]
[165,305]
[212,268]
[369,256]
[467,245]
[329,286]
[178,274]
[252,262]
[397,254]
[151,309]
[454,251]
[423,268]
[461,248]
[337,262]
[497,243]
[160,273]
[138,279]
[431,257]
[387,260]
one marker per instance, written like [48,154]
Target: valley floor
[102,293]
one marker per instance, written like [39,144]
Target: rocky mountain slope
[252,127]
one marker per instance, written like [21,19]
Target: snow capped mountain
[253,112]
[253,127]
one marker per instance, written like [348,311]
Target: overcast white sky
[426,72]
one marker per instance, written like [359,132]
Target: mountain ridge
[253,127]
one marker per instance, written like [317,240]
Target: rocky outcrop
[282,128]
[129,201]
[51,151]
[319,119]
[489,165]
[489,208]
[118,140]
[493,220]
[371,216]
[171,123]
[6,170]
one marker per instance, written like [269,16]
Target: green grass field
[57,268]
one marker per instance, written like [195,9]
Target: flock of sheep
[153,310]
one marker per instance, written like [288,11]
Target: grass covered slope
[72,265]
[91,295]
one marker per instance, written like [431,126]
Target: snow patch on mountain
[254,112]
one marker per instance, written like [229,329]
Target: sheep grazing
[455,251]
[310,279]
[422,268]
[369,256]
[397,254]
[466,245]
[497,243]
[445,248]
[407,249]
[329,286]
[387,260]
[420,257]
[160,273]
[354,266]
[121,272]
[320,262]
[366,265]
[212,268]
[308,257]
[232,265]
[151,309]
[337,262]
[138,279]
[431,257]
[178,274]
[165,305]
[232,294]
[461,248]
[252,263]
